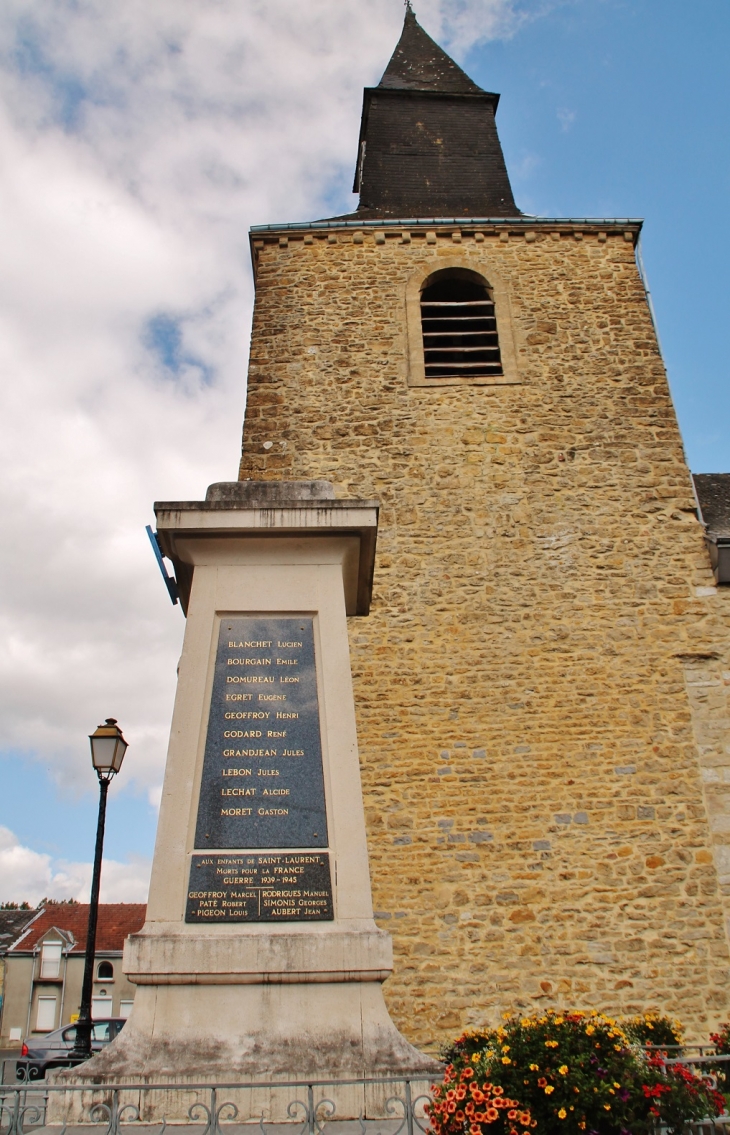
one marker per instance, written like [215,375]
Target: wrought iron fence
[389,1106]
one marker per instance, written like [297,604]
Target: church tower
[538,826]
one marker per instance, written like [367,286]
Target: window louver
[459,330]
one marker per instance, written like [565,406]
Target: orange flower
[492,1114]
[541,1082]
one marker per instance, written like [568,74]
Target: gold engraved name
[293,753]
[236,811]
[264,645]
[273,811]
[239,697]
[272,697]
[290,645]
[287,679]
[287,662]
[249,752]
[276,792]
[238,791]
[273,733]
[288,716]
[248,661]
[248,714]
[251,679]
[236,772]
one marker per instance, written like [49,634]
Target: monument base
[253,1033]
[324,1031]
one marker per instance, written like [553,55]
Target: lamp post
[107,753]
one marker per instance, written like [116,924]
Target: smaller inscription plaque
[279,887]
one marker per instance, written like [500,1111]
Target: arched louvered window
[459,326]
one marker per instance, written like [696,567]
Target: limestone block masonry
[537,827]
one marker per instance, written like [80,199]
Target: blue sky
[141,142]
[623,109]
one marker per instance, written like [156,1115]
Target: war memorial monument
[454,633]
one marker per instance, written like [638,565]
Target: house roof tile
[116,922]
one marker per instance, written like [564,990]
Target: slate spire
[419,64]
[428,139]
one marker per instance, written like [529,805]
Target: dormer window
[105,971]
[51,959]
[459,326]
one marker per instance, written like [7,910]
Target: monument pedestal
[260,959]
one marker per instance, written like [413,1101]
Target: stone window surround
[500,291]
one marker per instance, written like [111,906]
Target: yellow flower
[558,1020]
[549,1090]
[607,1106]
[475,1058]
[616,1085]
[590,1030]
[534,1067]
[582,1124]
[563,1069]
[562,1113]
[506,1060]
[551,1044]
[505,1048]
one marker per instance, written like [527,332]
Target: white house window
[125,1008]
[101,1006]
[51,959]
[46,1016]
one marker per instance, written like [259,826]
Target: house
[44,968]
[12,924]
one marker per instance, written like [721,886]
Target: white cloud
[27,875]
[139,143]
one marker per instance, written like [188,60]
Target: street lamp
[107,753]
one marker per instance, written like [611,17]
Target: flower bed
[572,1072]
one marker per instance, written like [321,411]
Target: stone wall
[537,825]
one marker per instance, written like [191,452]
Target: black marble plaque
[279,887]
[262,783]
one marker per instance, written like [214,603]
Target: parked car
[54,1050]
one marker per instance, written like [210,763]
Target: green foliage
[573,1072]
[652,1029]
[721,1041]
[15,906]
